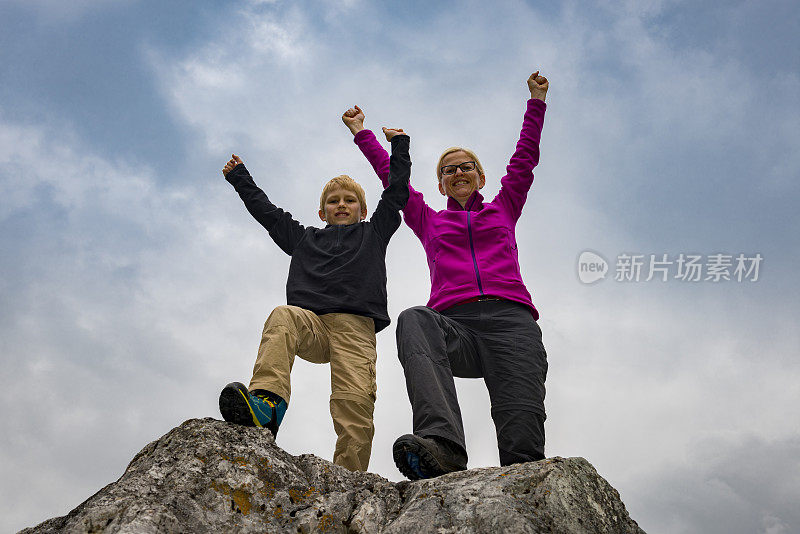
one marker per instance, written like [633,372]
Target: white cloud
[114,312]
[732,482]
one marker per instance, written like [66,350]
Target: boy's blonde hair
[452,149]
[343,182]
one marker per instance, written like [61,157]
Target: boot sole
[233,405]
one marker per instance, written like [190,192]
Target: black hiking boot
[419,458]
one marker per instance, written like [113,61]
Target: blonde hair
[343,182]
[452,149]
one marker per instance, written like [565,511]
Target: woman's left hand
[353,118]
[538,86]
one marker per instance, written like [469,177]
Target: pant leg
[353,386]
[432,348]
[515,369]
[288,331]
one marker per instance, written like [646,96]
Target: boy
[336,303]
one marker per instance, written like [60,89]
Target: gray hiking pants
[498,340]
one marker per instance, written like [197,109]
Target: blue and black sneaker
[259,408]
[417,457]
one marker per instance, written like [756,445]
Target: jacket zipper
[472,250]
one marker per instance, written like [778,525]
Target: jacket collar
[474,203]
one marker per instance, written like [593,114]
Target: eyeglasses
[465,167]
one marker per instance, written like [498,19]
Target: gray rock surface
[210,476]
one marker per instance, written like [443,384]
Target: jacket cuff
[535,103]
[362,135]
[237,174]
[402,140]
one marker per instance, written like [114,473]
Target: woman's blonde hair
[452,149]
[343,182]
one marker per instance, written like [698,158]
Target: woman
[480,320]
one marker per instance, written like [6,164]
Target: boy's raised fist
[234,161]
[391,132]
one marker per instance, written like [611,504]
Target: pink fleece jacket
[472,251]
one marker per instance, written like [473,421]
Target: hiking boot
[259,408]
[418,457]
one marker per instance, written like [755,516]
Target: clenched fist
[391,132]
[538,86]
[234,161]
[353,118]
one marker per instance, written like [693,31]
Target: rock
[212,476]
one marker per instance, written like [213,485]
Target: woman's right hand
[353,118]
[538,86]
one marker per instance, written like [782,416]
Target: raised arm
[386,217]
[284,230]
[519,172]
[416,211]
[376,155]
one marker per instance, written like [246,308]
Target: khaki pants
[345,340]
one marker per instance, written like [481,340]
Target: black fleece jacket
[339,268]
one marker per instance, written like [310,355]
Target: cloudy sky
[135,285]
